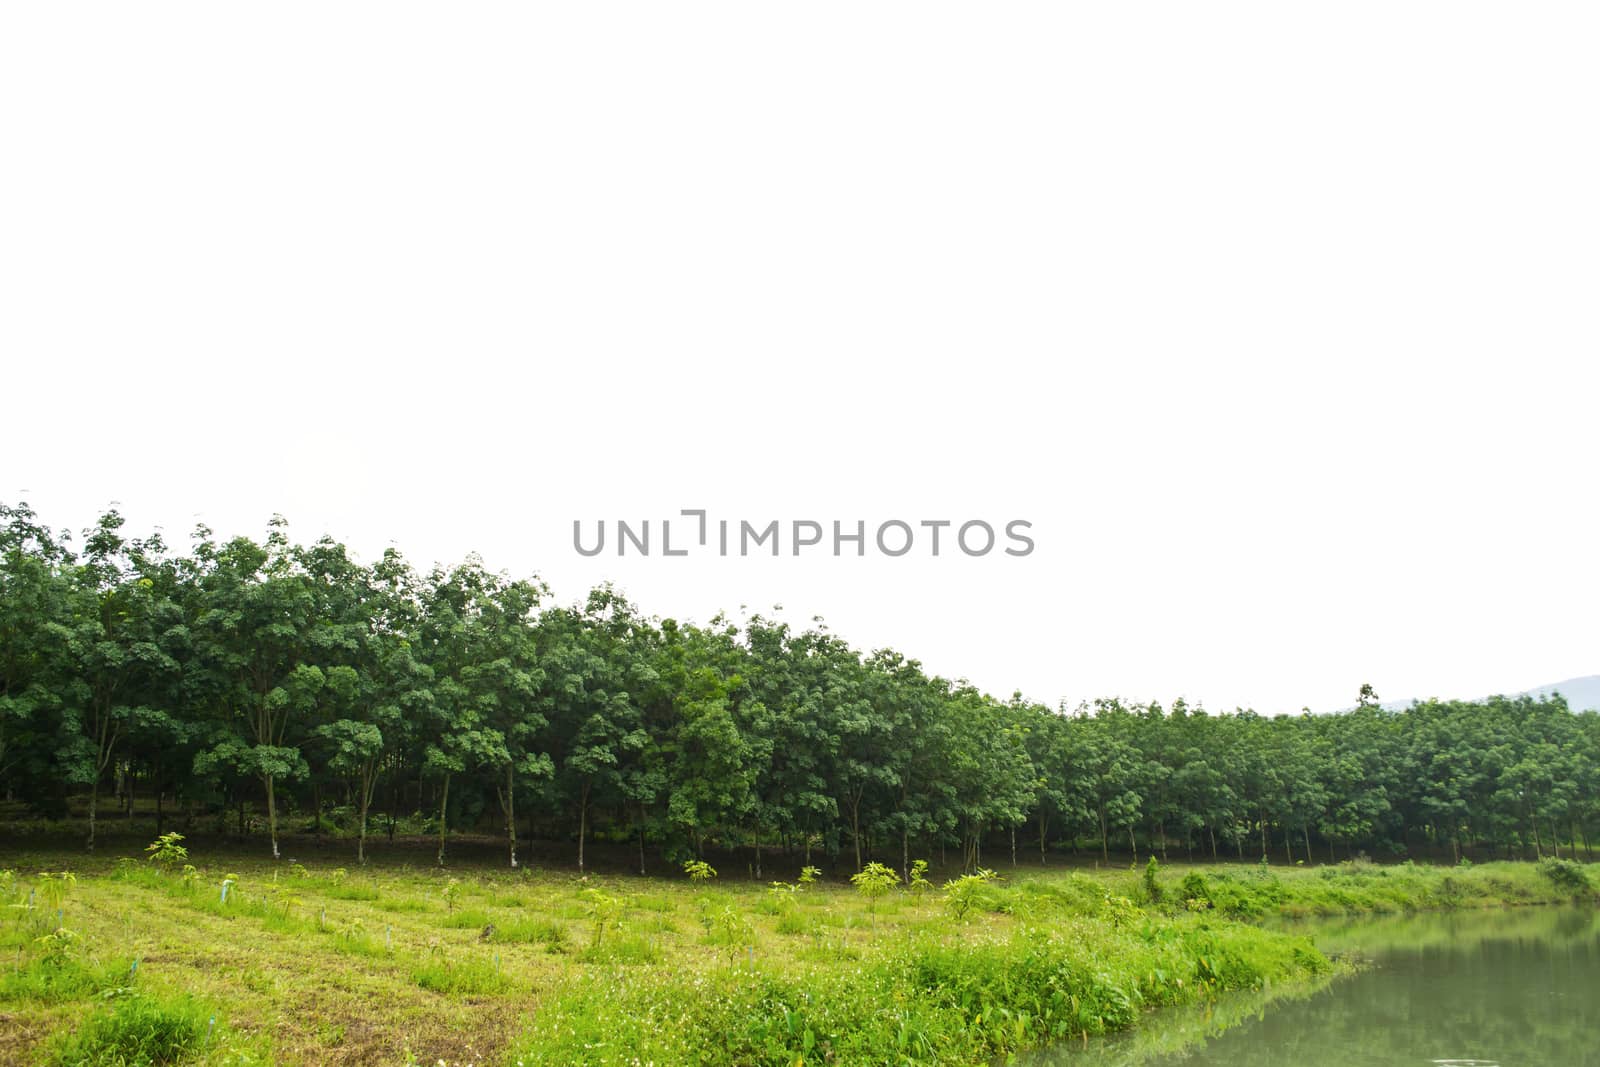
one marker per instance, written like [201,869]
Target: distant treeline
[291,676]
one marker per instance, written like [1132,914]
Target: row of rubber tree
[293,679]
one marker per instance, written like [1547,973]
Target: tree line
[291,676]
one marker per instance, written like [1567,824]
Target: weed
[139,1030]
[470,977]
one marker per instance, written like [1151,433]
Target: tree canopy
[296,678]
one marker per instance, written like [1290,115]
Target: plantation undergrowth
[171,959]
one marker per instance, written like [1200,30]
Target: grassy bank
[234,962]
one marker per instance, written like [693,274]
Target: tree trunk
[94,802]
[641,839]
[272,818]
[444,812]
[583,822]
[1305,835]
[367,774]
[1013,846]
[510,804]
[1105,846]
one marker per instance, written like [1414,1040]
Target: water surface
[1513,988]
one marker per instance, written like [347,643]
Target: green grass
[142,1031]
[471,977]
[375,967]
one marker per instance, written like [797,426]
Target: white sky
[1278,322]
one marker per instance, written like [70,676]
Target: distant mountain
[1582,694]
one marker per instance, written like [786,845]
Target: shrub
[1565,874]
[1195,891]
[1152,887]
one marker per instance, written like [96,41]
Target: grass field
[318,964]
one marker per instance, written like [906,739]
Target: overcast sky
[1278,323]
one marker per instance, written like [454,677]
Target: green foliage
[165,851]
[1152,884]
[57,947]
[873,881]
[1196,892]
[699,871]
[1565,874]
[604,913]
[54,889]
[969,894]
[919,877]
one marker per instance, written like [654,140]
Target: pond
[1502,988]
